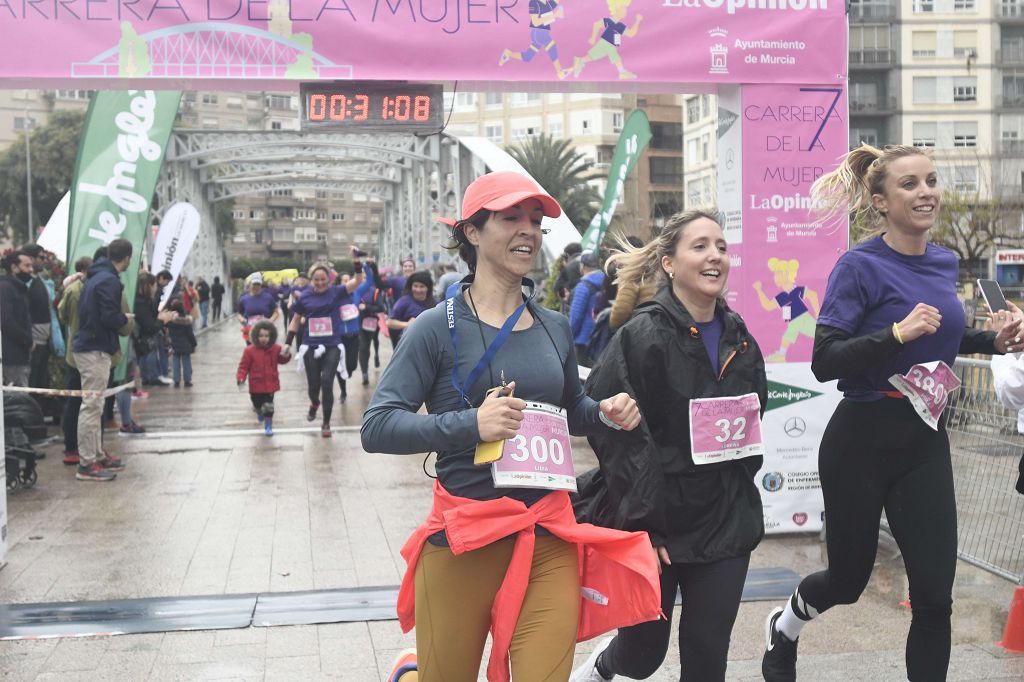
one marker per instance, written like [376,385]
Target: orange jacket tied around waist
[618,570]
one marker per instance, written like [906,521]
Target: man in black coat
[39,306]
[15,320]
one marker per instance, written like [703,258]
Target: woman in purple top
[258,304]
[890,304]
[418,296]
[318,312]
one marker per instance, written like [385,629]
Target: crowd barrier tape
[65,393]
[986,449]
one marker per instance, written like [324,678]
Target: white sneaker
[588,671]
[166,381]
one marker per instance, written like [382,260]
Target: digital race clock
[372,106]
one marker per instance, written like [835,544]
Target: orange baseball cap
[497,191]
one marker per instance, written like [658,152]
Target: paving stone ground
[210,506]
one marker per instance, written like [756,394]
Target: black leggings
[366,339]
[881,455]
[320,377]
[263,403]
[711,599]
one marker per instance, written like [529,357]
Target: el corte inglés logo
[780,395]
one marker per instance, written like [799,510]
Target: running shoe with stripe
[779,662]
[94,472]
[404,663]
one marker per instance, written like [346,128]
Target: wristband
[608,422]
[896,332]
[289,338]
[357,266]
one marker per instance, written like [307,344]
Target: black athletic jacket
[647,478]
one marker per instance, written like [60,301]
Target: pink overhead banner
[232,41]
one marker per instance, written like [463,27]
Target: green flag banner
[632,141]
[120,155]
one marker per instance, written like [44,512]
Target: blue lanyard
[492,349]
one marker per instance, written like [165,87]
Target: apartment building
[593,121]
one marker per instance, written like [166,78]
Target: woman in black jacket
[148,329]
[685,476]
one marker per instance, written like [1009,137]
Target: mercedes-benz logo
[795,427]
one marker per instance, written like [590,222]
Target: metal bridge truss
[418,179]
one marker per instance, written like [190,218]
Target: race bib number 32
[723,429]
[539,456]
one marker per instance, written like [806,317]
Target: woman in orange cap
[501,550]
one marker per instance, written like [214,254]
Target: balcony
[872,58]
[1010,101]
[1010,54]
[879,106]
[872,11]
[1011,11]
[1012,147]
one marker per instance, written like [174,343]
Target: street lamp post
[28,174]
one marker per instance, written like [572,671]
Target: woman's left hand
[1009,328]
[622,411]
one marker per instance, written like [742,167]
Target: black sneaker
[311,415]
[94,472]
[779,662]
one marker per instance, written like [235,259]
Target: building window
[321,215]
[965,178]
[304,214]
[585,125]
[1012,8]
[965,43]
[305,234]
[859,136]
[209,98]
[691,150]
[283,235]
[965,134]
[256,214]
[924,6]
[925,134]
[692,193]
[556,127]
[617,118]
[923,43]
[925,90]
[338,237]
[963,5]
[705,147]
[275,125]
[965,89]
[238,214]
[495,133]
[73,94]
[20,122]
[666,170]
[493,99]
[667,136]
[279,101]
[257,236]
[705,105]
[338,217]
[692,110]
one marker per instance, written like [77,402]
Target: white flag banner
[178,231]
[55,235]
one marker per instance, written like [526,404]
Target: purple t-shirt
[873,286]
[408,307]
[711,335]
[323,324]
[795,300]
[262,305]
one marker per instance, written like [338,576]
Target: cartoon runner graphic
[611,29]
[543,13]
[791,302]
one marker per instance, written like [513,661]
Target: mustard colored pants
[454,595]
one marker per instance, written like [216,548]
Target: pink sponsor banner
[234,41]
[792,134]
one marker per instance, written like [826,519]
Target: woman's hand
[661,556]
[923,320]
[622,411]
[1007,324]
[500,415]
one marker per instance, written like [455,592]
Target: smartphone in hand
[993,295]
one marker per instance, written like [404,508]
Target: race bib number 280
[723,429]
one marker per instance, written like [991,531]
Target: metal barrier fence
[986,449]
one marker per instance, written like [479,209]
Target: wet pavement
[210,506]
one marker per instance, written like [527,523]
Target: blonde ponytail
[849,188]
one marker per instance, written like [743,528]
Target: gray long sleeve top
[540,359]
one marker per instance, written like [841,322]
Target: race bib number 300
[723,429]
[540,455]
[927,387]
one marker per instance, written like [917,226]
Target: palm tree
[561,170]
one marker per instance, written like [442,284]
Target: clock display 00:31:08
[357,107]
